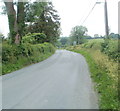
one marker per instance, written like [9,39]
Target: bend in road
[60,82]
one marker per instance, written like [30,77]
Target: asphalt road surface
[60,82]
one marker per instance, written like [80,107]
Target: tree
[64,40]
[16,20]
[96,35]
[78,34]
[46,20]
[37,17]
[11,19]
[114,36]
[21,17]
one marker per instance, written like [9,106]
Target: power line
[84,13]
[89,14]
[82,18]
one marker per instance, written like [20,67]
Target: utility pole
[106,20]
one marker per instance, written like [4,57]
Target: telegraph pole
[106,20]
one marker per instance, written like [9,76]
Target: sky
[74,12]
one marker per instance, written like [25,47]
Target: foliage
[43,18]
[93,44]
[64,41]
[34,38]
[78,34]
[114,36]
[36,17]
[33,11]
[110,48]
[15,57]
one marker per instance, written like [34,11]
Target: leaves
[43,18]
[15,57]
[78,34]
[34,38]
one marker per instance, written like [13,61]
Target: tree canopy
[46,20]
[36,17]
[78,34]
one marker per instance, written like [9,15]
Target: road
[59,82]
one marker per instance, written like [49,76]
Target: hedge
[15,57]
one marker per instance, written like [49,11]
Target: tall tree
[46,20]
[39,17]
[78,34]
[16,20]
[12,20]
[64,40]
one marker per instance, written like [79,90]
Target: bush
[39,37]
[34,38]
[111,49]
[15,57]
[107,46]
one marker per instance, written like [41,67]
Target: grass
[104,72]
[93,43]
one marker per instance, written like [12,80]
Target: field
[103,68]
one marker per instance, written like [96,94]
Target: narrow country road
[60,82]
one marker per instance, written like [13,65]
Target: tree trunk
[20,18]
[16,21]
[12,20]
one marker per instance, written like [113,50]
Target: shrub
[15,57]
[39,37]
[111,49]
[34,38]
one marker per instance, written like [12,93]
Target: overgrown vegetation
[34,29]
[30,51]
[111,49]
[34,38]
[104,71]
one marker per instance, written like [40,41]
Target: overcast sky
[73,12]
